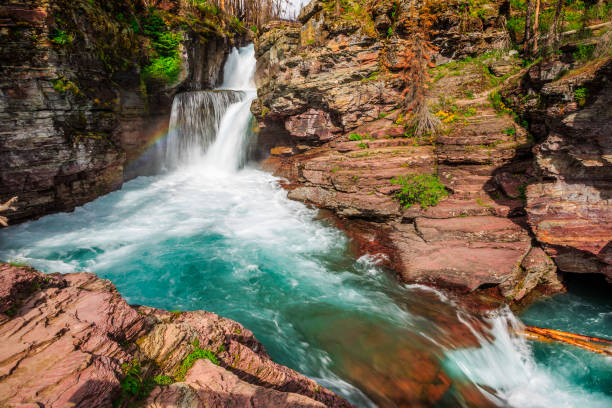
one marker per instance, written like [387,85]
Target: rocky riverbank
[328,113]
[71,340]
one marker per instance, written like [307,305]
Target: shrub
[163,69]
[423,189]
[355,136]
[134,385]
[580,95]
[61,37]
[167,44]
[584,52]
[497,103]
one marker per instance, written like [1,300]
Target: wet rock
[208,385]
[79,331]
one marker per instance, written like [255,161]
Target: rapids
[211,233]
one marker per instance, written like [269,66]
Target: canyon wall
[569,204]
[77,113]
[330,117]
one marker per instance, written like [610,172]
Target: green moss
[163,380]
[197,354]
[423,189]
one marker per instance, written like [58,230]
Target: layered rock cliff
[569,204]
[79,101]
[330,116]
[71,340]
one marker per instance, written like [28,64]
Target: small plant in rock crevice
[61,37]
[580,95]
[197,354]
[423,189]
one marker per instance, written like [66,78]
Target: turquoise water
[210,236]
[232,243]
[587,310]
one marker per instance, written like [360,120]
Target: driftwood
[593,27]
[5,207]
[594,344]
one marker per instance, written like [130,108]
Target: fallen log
[593,344]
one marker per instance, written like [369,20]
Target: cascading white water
[211,128]
[239,70]
[209,237]
[194,124]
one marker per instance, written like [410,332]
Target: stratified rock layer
[570,204]
[65,337]
[327,110]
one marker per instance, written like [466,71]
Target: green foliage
[166,44]
[163,69]
[153,25]
[584,52]
[511,131]
[192,357]
[497,103]
[64,85]
[362,145]
[469,112]
[581,95]
[163,380]
[165,66]
[355,136]
[423,189]
[18,264]
[61,37]
[134,385]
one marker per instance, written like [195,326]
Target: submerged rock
[71,340]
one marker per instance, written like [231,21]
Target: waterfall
[212,128]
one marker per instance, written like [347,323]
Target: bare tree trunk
[536,27]
[527,37]
[552,41]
